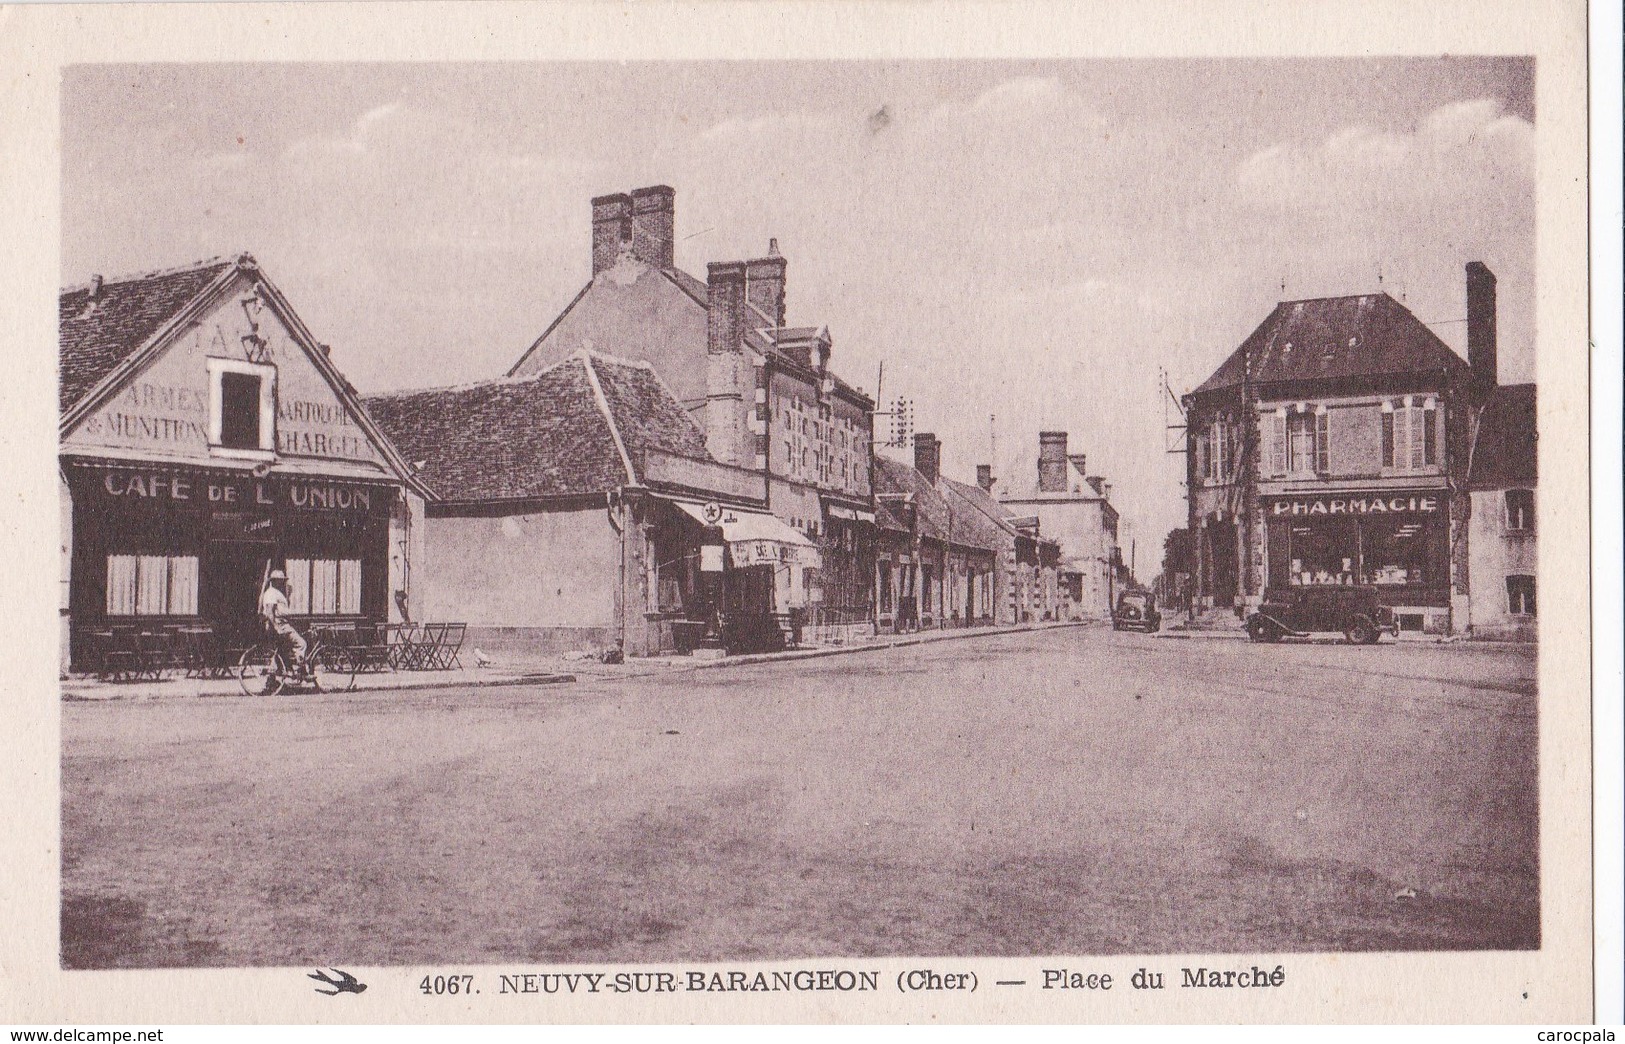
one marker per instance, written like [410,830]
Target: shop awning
[850,514]
[756,537]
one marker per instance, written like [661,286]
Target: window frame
[1411,446]
[266,372]
[1521,603]
[1527,511]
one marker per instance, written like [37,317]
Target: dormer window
[242,408]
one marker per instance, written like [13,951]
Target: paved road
[1070,791]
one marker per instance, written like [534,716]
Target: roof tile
[91,343]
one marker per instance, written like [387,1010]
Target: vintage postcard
[798,513]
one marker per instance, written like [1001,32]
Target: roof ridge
[471,385]
[136,277]
[602,402]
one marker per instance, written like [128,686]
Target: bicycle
[265,670]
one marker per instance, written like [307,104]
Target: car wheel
[1259,629]
[1361,631]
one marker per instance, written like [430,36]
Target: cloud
[1453,148]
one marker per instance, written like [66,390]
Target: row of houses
[1344,443]
[670,465]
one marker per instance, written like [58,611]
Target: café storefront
[736,576]
[174,545]
[1395,541]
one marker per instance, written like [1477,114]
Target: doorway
[230,581]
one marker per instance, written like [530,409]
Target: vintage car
[1137,611]
[1298,611]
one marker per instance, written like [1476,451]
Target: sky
[1023,245]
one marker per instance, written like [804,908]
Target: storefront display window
[1402,550]
[1396,551]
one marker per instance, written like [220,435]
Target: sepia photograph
[579,512]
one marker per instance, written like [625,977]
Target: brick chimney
[1052,462]
[1481,346]
[653,225]
[927,456]
[611,226]
[764,284]
[729,375]
[984,477]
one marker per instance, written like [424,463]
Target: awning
[755,537]
[850,514]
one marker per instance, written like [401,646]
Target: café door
[230,595]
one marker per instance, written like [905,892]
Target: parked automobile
[1137,611]
[1356,612]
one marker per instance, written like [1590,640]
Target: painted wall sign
[232,492]
[1357,504]
[167,406]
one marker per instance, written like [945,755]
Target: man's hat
[277,574]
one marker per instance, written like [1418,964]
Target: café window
[1521,595]
[1410,434]
[324,586]
[151,585]
[242,407]
[1520,510]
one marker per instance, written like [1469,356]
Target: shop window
[1520,510]
[242,415]
[1521,595]
[1396,552]
[1410,435]
[324,586]
[151,585]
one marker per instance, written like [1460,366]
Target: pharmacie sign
[1357,504]
[230,492]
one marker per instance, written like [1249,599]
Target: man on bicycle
[274,614]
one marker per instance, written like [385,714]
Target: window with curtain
[324,586]
[151,585]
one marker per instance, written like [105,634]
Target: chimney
[984,477]
[764,284]
[1052,462]
[611,226]
[1481,347]
[725,313]
[653,217]
[927,455]
[727,370]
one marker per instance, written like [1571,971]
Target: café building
[1332,448]
[206,438]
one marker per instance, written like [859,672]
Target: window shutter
[1201,455]
[1430,436]
[1322,430]
[1387,438]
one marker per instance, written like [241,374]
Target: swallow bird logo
[345,983]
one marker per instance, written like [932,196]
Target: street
[1072,791]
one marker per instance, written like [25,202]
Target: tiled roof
[954,521]
[1505,454]
[1332,337]
[990,519]
[91,343]
[543,435]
